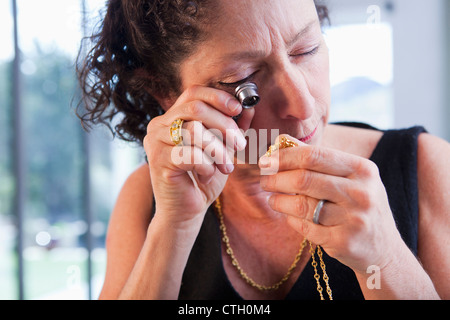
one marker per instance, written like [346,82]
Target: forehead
[250,27]
[253,19]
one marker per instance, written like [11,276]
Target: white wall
[420,65]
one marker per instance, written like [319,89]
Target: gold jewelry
[277,285]
[175,131]
[286,143]
[235,263]
[316,274]
[281,144]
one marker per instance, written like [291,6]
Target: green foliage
[52,131]
[52,136]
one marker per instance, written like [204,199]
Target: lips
[308,138]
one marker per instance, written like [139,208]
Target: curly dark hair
[134,59]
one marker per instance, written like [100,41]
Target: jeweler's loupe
[247,94]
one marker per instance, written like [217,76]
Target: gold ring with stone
[175,131]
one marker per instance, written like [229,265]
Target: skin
[286,57]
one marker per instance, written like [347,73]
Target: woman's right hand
[187,178]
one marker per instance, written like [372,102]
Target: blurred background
[390,67]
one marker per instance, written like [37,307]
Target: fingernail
[229,168]
[233,105]
[264,162]
[271,200]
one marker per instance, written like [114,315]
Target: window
[53,245]
[361,66]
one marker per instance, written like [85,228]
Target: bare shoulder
[434,213]
[433,163]
[127,230]
[433,158]
[358,141]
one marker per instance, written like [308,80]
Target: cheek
[319,81]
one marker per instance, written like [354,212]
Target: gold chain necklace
[277,285]
[283,143]
[316,274]
[235,263]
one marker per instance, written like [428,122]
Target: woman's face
[279,46]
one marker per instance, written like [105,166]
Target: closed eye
[309,53]
[236,83]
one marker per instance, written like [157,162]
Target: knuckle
[152,124]
[368,169]
[360,223]
[195,107]
[303,179]
[190,93]
[301,206]
[362,196]
[147,141]
[213,97]
[311,156]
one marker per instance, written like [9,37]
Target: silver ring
[316,215]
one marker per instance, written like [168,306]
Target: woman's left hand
[356,225]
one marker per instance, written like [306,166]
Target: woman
[383,222]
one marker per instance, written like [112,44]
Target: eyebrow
[305,30]
[242,55]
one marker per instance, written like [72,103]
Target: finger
[213,146]
[303,207]
[219,99]
[246,118]
[193,134]
[188,158]
[309,183]
[210,141]
[210,118]
[320,159]
[316,233]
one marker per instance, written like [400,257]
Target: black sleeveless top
[396,158]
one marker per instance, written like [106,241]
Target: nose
[293,98]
